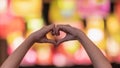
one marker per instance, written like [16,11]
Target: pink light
[29,59]
[81,57]
[9,23]
[87,8]
[59,60]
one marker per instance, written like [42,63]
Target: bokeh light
[99,19]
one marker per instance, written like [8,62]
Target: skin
[96,56]
[13,61]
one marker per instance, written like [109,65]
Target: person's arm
[14,60]
[96,56]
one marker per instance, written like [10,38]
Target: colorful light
[113,47]
[71,47]
[26,8]
[95,31]
[81,57]
[44,53]
[3,6]
[9,24]
[65,10]
[14,40]
[117,8]
[87,8]
[34,24]
[95,34]
[113,42]
[29,59]
[59,60]
[113,20]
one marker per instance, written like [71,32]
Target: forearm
[14,60]
[96,56]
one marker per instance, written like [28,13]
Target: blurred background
[99,19]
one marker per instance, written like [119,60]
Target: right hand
[71,33]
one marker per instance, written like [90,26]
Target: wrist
[81,35]
[30,39]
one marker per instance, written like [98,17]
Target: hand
[71,33]
[40,35]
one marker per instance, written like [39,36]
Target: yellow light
[34,24]
[112,20]
[95,31]
[66,4]
[71,46]
[26,8]
[113,48]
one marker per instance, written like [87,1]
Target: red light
[9,24]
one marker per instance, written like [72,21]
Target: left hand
[40,35]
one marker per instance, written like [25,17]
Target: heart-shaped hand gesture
[71,34]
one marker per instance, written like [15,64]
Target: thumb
[66,38]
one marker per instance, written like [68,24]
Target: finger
[66,38]
[45,40]
[47,29]
[64,28]
[50,27]
[57,31]
[53,32]
[55,45]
